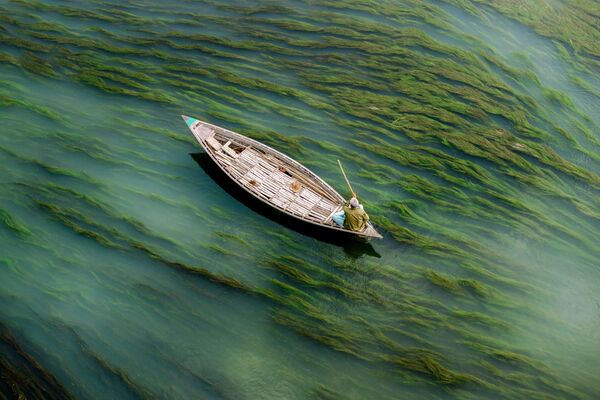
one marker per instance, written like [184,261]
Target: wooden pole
[346,178]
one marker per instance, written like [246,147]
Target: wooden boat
[273,177]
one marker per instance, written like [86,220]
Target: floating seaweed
[22,375]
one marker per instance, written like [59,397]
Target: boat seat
[229,151]
[214,143]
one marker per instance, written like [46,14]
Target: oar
[346,178]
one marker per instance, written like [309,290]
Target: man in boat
[356,217]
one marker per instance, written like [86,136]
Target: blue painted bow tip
[188,120]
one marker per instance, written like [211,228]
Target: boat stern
[370,232]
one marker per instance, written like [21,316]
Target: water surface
[128,272]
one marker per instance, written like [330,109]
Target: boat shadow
[353,246]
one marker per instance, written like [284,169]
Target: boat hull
[205,133]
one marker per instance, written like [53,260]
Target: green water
[469,132]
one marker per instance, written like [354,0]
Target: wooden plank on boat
[214,143]
[251,184]
[267,188]
[250,154]
[319,211]
[268,194]
[222,159]
[265,170]
[283,206]
[309,195]
[263,195]
[236,174]
[335,210]
[266,165]
[271,185]
[239,168]
[298,209]
[229,151]
[282,177]
[314,218]
[204,132]
[326,204]
[303,202]
[287,194]
[245,164]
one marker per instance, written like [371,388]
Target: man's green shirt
[356,218]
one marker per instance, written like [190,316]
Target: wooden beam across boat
[272,177]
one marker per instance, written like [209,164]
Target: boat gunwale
[269,149]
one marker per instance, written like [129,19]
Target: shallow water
[127,271]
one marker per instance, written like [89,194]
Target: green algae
[304,278]
[33,63]
[122,377]
[569,25]
[324,393]
[23,374]
[480,318]
[13,224]
[23,43]
[233,238]
[154,129]
[559,97]
[7,101]
[81,225]
[101,80]
[7,58]
[429,366]
[442,281]
[65,217]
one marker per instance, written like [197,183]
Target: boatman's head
[353,202]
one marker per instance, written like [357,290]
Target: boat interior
[274,179]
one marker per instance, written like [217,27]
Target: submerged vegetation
[465,157]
